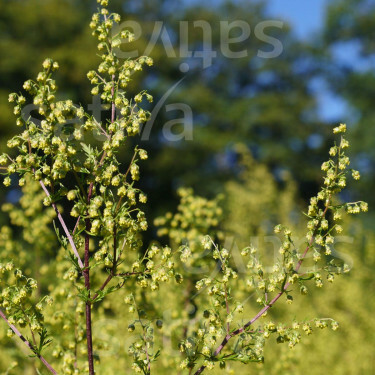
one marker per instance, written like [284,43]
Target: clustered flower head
[18,300]
[104,199]
[55,151]
[196,217]
[57,164]
[143,349]
[245,343]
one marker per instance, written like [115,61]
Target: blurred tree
[264,102]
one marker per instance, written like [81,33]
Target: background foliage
[267,105]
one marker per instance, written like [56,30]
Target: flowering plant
[59,165]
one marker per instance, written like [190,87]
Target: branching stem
[28,344]
[268,306]
[65,228]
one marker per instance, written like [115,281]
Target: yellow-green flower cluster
[195,218]
[217,332]
[19,302]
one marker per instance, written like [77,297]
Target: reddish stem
[86,271]
[265,308]
[66,230]
[29,345]
[86,274]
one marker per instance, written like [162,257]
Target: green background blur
[279,106]
[282,108]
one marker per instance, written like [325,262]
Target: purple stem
[66,230]
[265,308]
[29,345]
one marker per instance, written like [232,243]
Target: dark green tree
[264,102]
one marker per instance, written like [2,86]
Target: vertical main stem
[86,271]
[86,274]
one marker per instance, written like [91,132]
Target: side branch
[29,345]
[265,308]
[66,230]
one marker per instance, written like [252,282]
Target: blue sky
[306,16]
